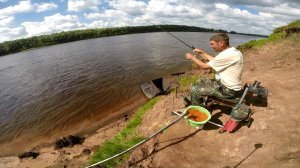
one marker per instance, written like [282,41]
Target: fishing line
[189,46]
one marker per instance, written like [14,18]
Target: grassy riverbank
[125,139]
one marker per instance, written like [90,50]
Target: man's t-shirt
[228,65]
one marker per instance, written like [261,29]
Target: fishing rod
[189,46]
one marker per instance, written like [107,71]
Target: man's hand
[189,56]
[197,61]
[203,54]
[199,51]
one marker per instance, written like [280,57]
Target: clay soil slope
[273,140]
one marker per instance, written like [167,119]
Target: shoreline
[62,156]
[20,144]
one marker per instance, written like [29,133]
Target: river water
[64,89]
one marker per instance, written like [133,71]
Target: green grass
[277,35]
[294,24]
[252,44]
[186,82]
[125,139]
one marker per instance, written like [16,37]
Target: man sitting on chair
[228,65]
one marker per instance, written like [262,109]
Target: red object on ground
[230,126]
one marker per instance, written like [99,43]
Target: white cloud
[45,6]
[265,3]
[3,0]
[222,6]
[156,11]
[11,33]
[131,6]
[108,14]
[93,16]
[219,15]
[263,22]
[23,6]
[109,18]
[98,23]
[233,15]
[78,5]
[52,24]
[172,9]
[235,19]
[225,11]
[6,21]
[282,9]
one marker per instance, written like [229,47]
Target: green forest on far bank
[15,46]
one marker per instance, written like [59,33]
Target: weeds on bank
[125,139]
[186,82]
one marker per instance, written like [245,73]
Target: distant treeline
[14,46]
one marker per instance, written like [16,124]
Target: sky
[27,18]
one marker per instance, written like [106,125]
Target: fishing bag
[155,87]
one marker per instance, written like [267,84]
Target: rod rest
[178,73]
